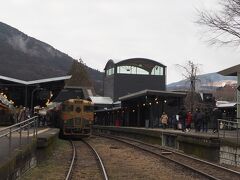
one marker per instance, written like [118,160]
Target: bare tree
[190,71]
[224,24]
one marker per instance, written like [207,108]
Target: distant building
[133,75]
[101,102]
[234,71]
[228,109]
[78,86]
[73,92]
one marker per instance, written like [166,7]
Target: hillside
[206,82]
[23,57]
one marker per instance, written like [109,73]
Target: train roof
[81,100]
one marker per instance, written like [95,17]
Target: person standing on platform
[216,116]
[22,115]
[182,118]
[164,120]
[198,120]
[174,121]
[188,121]
[206,120]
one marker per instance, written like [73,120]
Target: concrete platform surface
[227,136]
[46,137]
[43,133]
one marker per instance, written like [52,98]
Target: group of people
[184,119]
[23,113]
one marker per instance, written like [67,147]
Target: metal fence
[229,129]
[19,128]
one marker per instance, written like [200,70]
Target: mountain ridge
[205,80]
[26,58]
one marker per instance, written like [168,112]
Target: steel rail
[99,160]
[185,155]
[163,156]
[72,162]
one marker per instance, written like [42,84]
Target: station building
[140,85]
[132,75]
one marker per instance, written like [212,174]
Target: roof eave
[232,71]
[150,92]
[35,81]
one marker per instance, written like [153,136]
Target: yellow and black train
[76,118]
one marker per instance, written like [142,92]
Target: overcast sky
[99,30]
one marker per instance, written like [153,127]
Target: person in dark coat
[206,120]
[182,118]
[174,122]
[198,119]
[216,116]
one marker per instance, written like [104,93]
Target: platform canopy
[100,100]
[36,91]
[232,71]
[154,93]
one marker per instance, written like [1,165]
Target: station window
[157,70]
[110,71]
[131,70]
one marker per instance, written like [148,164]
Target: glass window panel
[157,70]
[131,70]
[141,71]
[110,72]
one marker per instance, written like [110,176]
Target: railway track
[201,167]
[85,160]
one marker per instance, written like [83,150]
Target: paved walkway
[230,135]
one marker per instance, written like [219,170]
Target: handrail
[4,129]
[24,125]
[2,135]
[224,120]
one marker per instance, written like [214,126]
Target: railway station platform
[15,157]
[221,148]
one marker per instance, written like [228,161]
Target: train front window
[78,109]
[88,108]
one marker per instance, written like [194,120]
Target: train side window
[88,108]
[70,108]
[2,112]
[63,107]
[67,108]
[78,109]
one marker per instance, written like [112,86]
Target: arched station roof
[146,64]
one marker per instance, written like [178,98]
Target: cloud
[119,29]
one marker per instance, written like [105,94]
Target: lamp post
[36,89]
